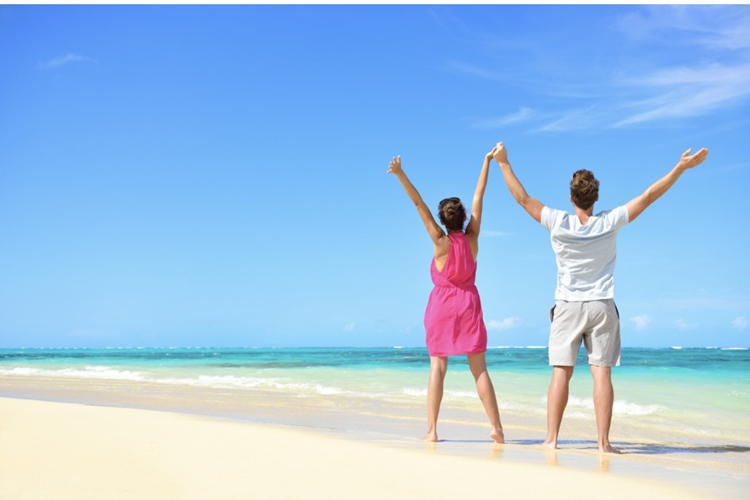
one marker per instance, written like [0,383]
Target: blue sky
[216,176]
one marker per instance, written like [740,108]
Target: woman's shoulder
[463,238]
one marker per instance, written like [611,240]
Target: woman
[453,319]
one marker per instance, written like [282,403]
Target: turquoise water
[686,395]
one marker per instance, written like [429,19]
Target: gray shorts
[596,323]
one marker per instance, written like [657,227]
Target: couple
[584,311]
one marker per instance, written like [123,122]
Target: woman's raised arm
[472,229]
[436,232]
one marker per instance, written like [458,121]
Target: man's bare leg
[438,368]
[557,400]
[486,391]
[604,398]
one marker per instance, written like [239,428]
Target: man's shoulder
[616,217]
[552,217]
[553,212]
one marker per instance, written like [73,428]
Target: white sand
[68,451]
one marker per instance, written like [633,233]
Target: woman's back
[460,266]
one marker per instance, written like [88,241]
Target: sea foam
[620,406]
[89,372]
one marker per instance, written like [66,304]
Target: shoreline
[67,450]
[674,426]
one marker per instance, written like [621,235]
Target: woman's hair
[584,189]
[452,214]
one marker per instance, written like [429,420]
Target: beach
[63,450]
[334,423]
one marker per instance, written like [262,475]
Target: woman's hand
[491,154]
[395,166]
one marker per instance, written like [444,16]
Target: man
[585,249]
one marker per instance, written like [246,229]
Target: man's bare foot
[607,448]
[431,437]
[498,436]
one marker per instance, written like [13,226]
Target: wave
[89,372]
[230,382]
[218,382]
[461,394]
[620,406]
[422,393]
[510,406]
[734,348]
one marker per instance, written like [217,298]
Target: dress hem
[461,353]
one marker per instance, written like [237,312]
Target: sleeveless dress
[453,320]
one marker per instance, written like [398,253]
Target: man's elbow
[523,199]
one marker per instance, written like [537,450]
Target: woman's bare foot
[498,436]
[431,437]
[607,448]
[550,444]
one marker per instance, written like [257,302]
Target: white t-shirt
[585,255]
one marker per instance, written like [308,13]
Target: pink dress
[453,319]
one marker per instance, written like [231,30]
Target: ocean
[690,406]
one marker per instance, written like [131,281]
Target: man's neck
[583,215]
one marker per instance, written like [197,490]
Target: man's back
[585,254]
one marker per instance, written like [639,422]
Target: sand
[60,451]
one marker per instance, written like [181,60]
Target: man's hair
[452,214]
[584,189]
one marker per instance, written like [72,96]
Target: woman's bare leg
[438,368]
[486,391]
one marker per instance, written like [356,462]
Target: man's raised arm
[531,205]
[637,205]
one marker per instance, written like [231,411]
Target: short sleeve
[549,217]
[618,217]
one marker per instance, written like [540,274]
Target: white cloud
[681,324]
[681,92]
[659,86]
[66,59]
[577,119]
[522,115]
[495,234]
[349,327]
[479,72]
[711,27]
[740,323]
[641,322]
[503,324]
[675,92]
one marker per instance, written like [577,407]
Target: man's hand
[500,153]
[687,161]
[637,205]
[395,166]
